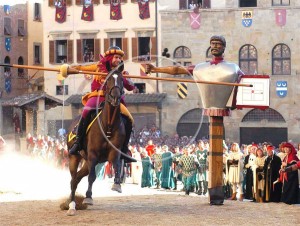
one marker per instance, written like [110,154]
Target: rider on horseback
[111,60]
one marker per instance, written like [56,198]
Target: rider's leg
[128,130]
[83,123]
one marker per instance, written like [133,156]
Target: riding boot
[126,152]
[205,183]
[187,191]
[79,137]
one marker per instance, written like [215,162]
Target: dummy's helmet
[218,38]
[114,50]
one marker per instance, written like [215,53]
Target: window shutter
[51,52]
[96,2]
[97,50]
[51,3]
[125,48]
[78,2]
[206,4]
[135,49]
[106,44]
[106,2]
[123,1]
[133,1]
[70,52]
[79,50]
[152,0]
[69,2]
[153,50]
[182,4]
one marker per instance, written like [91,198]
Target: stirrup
[74,149]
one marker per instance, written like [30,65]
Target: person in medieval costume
[201,154]
[147,180]
[234,171]
[157,162]
[167,172]
[136,167]
[271,172]
[258,175]
[112,60]
[188,164]
[249,163]
[290,189]
[177,171]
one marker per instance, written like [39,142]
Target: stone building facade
[273,36]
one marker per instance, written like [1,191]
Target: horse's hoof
[88,201]
[116,187]
[71,212]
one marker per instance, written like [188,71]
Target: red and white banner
[195,20]
[280,17]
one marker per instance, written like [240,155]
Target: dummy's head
[217,45]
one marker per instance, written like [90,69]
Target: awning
[29,98]
[134,98]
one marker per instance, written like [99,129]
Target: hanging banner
[247,17]
[60,11]
[281,88]
[144,9]
[280,17]
[87,11]
[115,10]
[7,79]
[195,20]
[8,44]
[6,9]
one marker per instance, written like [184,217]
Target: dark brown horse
[104,140]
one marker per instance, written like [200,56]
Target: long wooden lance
[66,69]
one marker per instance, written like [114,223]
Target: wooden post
[215,173]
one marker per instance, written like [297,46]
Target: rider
[111,60]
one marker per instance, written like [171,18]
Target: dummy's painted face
[217,48]
[116,60]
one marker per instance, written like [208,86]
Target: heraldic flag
[195,20]
[115,10]
[60,11]
[144,9]
[87,11]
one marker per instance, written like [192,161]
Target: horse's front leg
[91,179]
[118,167]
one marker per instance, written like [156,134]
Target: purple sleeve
[128,84]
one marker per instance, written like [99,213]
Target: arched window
[256,115]
[182,55]
[6,61]
[20,70]
[248,59]
[281,60]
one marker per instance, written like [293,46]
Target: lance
[65,70]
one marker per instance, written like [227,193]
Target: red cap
[270,148]
[255,145]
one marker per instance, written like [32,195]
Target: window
[6,61]
[182,55]
[62,90]
[280,2]
[88,50]
[117,38]
[248,3]
[144,48]
[37,12]
[248,59]
[140,88]
[37,53]
[281,60]
[191,4]
[21,70]
[61,51]
[21,28]
[7,26]
[256,115]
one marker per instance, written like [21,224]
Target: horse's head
[114,88]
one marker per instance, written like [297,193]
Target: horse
[103,142]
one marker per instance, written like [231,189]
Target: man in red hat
[111,60]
